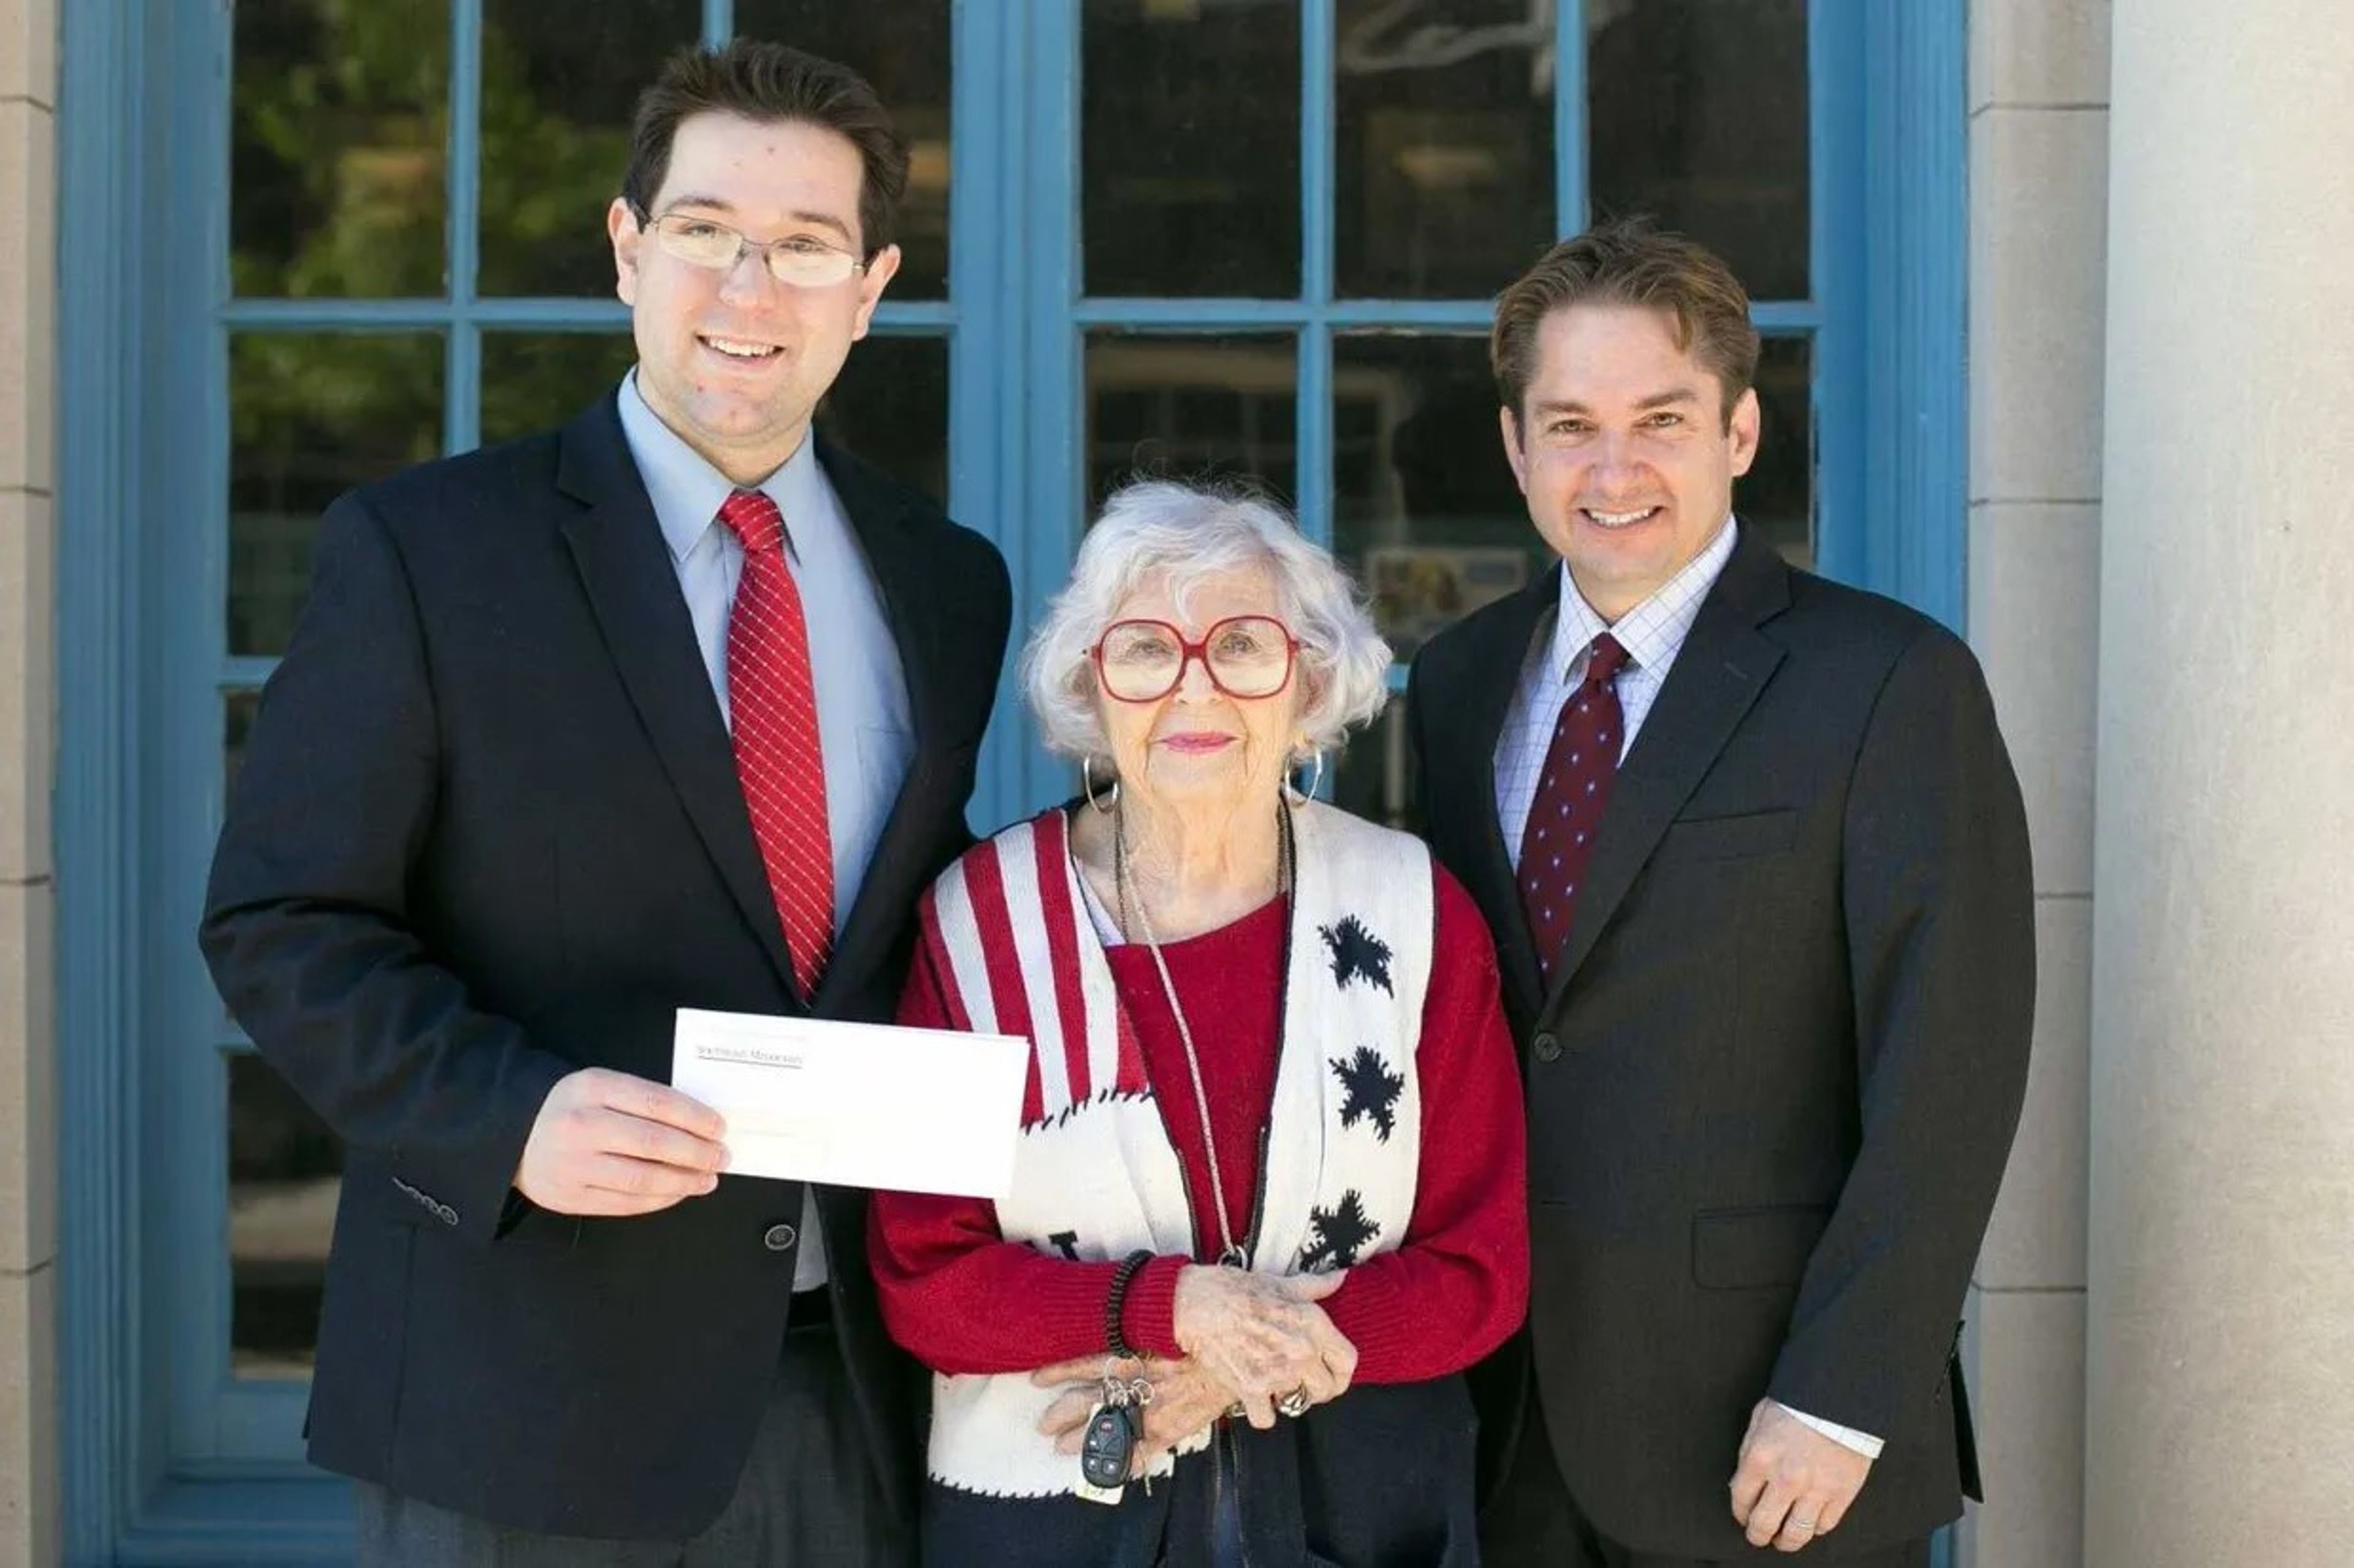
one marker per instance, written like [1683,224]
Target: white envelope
[857,1104]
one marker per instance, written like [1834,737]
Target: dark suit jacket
[488,830]
[1773,1085]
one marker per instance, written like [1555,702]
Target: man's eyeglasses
[801,260]
[1246,656]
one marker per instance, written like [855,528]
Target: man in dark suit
[674,706]
[1757,869]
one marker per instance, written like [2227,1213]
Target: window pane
[904,49]
[1776,497]
[1189,407]
[537,381]
[890,406]
[238,708]
[1424,506]
[1444,147]
[1190,147]
[284,1169]
[1699,117]
[556,96]
[312,415]
[338,168]
[1372,774]
[1425,512]
[237,711]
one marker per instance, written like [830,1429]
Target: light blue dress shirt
[864,726]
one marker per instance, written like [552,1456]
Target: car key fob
[1109,1447]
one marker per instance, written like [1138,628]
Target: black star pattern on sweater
[1373,1089]
[1357,954]
[1340,1235]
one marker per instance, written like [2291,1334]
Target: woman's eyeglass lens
[1246,655]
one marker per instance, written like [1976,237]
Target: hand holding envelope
[857,1104]
[609,1143]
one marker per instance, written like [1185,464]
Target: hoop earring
[1102,803]
[1291,791]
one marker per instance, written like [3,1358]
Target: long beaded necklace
[1230,1252]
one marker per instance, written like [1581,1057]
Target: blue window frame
[171,1455]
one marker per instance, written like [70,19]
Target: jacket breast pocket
[1748,1249]
[1750,835]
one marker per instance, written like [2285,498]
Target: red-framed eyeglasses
[1246,656]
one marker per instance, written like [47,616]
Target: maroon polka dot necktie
[1572,790]
[772,710]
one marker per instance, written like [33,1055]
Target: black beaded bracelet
[1115,1304]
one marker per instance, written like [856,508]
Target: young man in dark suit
[1758,868]
[674,706]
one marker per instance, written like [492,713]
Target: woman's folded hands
[1185,1399]
[1265,1337]
[1255,1345]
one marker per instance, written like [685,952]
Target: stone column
[2038,90]
[28,1243]
[2220,1269]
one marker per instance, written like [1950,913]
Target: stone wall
[2037,172]
[28,1241]
[2220,1365]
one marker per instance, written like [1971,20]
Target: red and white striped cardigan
[1096,1176]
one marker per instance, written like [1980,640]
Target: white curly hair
[1180,534]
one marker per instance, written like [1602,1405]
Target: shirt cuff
[1148,1314]
[1863,1443]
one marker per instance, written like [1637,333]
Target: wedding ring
[1803,1526]
[1296,1403]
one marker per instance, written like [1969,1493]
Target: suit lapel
[1475,717]
[919,602]
[618,547]
[1724,664]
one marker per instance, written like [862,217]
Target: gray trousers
[806,1498]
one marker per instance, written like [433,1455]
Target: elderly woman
[1269,1197]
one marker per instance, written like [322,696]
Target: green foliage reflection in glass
[558,86]
[339,175]
[312,415]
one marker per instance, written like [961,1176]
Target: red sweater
[964,1300]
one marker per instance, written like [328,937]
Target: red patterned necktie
[1579,769]
[772,708]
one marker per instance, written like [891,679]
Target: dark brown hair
[1630,262]
[769,83]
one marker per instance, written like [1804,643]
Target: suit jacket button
[779,1238]
[1547,1046]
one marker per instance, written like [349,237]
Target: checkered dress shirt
[1652,633]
